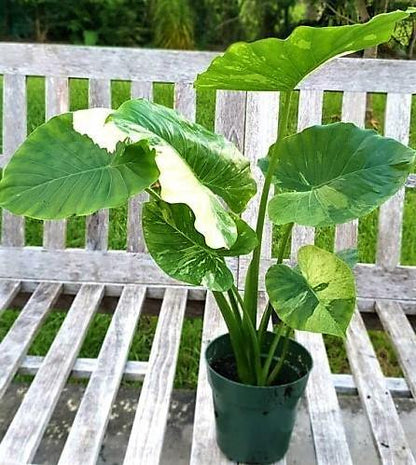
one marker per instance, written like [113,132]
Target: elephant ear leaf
[180,250]
[318,297]
[196,167]
[59,171]
[332,174]
[280,65]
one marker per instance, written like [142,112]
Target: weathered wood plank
[148,431]
[261,131]
[28,425]
[345,384]
[185,100]
[84,367]
[353,111]
[230,112]
[14,133]
[309,113]
[8,291]
[389,240]
[87,432]
[135,240]
[57,102]
[17,341]
[378,404]
[97,224]
[350,74]
[403,337]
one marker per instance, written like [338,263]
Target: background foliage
[187,24]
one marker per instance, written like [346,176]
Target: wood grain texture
[261,130]
[309,114]
[353,111]
[87,432]
[185,100]
[148,431]
[387,430]
[230,112]
[97,224]
[135,239]
[17,341]
[403,338]
[14,133]
[83,368]
[350,74]
[8,291]
[390,222]
[57,102]
[28,425]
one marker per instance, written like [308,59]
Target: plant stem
[265,318]
[276,370]
[252,277]
[270,355]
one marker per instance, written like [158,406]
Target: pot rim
[253,386]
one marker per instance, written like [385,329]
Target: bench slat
[57,102]
[135,240]
[389,241]
[14,133]
[97,224]
[403,337]
[17,341]
[28,425]
[148,431]
[353,111]
[378,404]
[8,291]
[185,100]
[87,432]
[261,131]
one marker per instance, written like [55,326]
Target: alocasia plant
[199,184]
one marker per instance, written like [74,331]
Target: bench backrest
[245,118]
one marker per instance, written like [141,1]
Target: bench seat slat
[403,337]
[17,341]
[378,404]
[8,291]
[148,431]
[26,430]
[87,432]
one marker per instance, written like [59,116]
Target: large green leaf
[276,64]
[58,172]
[332,174]
[319,297]
[181,251]
[195,167]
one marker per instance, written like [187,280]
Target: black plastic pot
[254,424]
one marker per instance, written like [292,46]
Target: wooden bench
[52,274]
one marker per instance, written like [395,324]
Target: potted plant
[199,184]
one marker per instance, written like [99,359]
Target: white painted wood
[403,337]
[353,111]
[204,446]
[84,367]
[135,239]
[97,224]
[28,425]
[261,130]
[17,341]
[87,432]
[185,100]
[148,431]
[389,241]
[57,102]
[8,291]
[345,384]
[14,133]
[350,74]
[378,403]
[309,114]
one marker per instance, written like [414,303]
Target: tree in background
[172,24]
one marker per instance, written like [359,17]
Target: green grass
[186,375]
